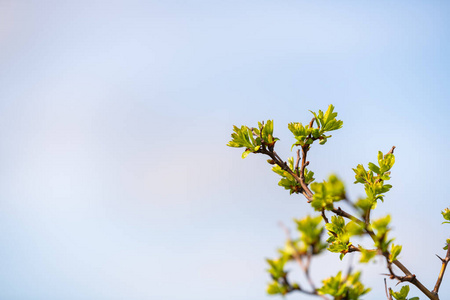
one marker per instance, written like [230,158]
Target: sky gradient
[115,181]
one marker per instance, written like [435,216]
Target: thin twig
[297,163]
[295,254]
[388,295]
[408,275]
[391,151]
[442,271]
[312,122]
[324,216]
[304,267]
[284,166]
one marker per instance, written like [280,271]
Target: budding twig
[304,267]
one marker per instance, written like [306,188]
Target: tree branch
[283,165]
[408,275]
[442,271]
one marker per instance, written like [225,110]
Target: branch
[283,165]
[408,275]
[391,151]
[388,295]
[441,273]
[297,163]
[304,267]
[344,214]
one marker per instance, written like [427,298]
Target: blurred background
[115,181]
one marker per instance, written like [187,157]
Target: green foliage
[306,135]
[243,138]
[338,238]
[310,230]
[367,255]
[288,181]
[252,139]
[374,179]
[403,294]
[447,242]
[339,234]
[446,214]
[349,287]
[395,251]
[381,226]
[277,267]
[276,288]
[327,192]
[327,121]
[343,227]
[308,243]
[300,133]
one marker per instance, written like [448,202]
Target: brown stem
[324,216]
[344,214]
[283,165]
[302,170]
[442,271]
[297,163]
[409,276]
[391,151]
[388,295]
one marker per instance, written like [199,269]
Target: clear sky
[115,181]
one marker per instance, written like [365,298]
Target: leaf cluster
[373,180]
[252,139]
[340,287]
[446,214]
[327,192]
[381,228]
[323,197]
[403,294]
[287,179]
[309,243]
[339,234]
[305,134]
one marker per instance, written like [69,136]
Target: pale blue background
[115,181]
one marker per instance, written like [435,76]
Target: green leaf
[277,267]
[267,133]
[373,180]
[288,181]
[245,153]
[367,255]
[309,176]
[310,229]
[349,288]
[447,242]
[274,288]
[402,294]
[374,168]
[365,204]
[446,214]
[360,174]
[327,192]
[300,133]
[338,247]
[243,138]
[381,226]
[395,251]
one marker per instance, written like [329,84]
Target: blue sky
[115,179]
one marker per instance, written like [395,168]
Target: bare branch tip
[391,151]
